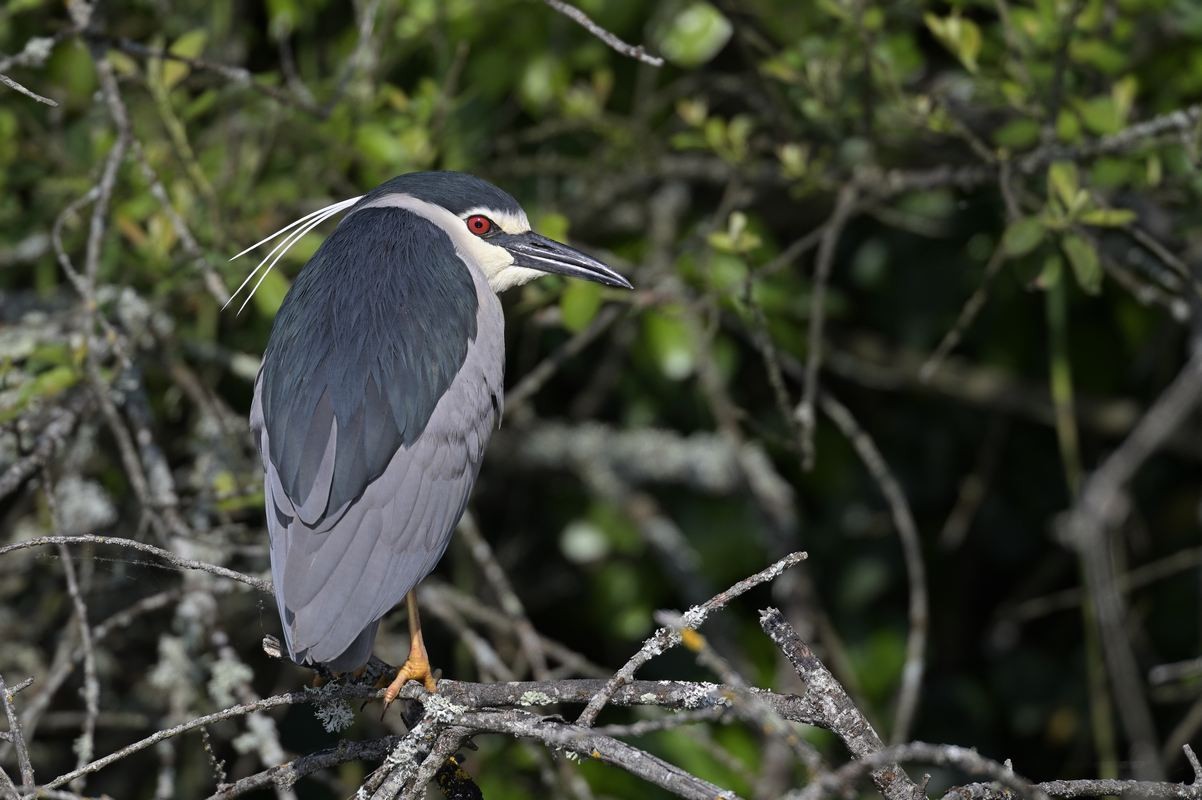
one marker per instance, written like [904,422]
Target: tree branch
[580,18]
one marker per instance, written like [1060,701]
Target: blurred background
[974,226]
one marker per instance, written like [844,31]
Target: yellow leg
[417,666]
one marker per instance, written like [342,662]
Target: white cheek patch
[508,277]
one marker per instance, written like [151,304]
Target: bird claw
[415,668]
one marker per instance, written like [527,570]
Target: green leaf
[190,45]
[1083,257]
[693,111]
[1123,93]
[1022,236]
[1101,115]
[1068,126]
[958,34]
[1064,182]
[543,80]
[736,238]
[794,159]
[1017,134]
[1108,217]
[578,304]
[671,343]
[377,144]
[695,35]
[1050,273]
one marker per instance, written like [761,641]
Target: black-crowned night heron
[380,387]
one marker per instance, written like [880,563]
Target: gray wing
[360,504]
[336,578]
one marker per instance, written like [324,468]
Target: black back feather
[372,332]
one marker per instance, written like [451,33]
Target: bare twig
[911,544]
[432,591]
[486,560]
[759,714]
[87,741]
[833,229]
[970,761]
[212,280]
[675,720]
[580,18]
[10,83]
[528,694]
[51,439]
[589,743]
[534,380]
[841,714]
[238,76]
[667,638]
[242,709]
[17,738]
[289,773]
[1105,787]
[972,307]
[362,56]
[108,175]
[1100,509]
[262,584]
[444,750]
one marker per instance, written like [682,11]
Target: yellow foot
[415,668]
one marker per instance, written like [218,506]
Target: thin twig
[486,560]
[17,738]
[53,436]
[238,76]
[86,744]
[535,379]
[1100,509]
[968,314]
[911,544]
[759,714]
[289,773]
[262,584]
[10,83]
[667,638]
[844,778]
[833,229]
[589,743]
[580,18]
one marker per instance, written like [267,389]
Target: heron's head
[488,228]
[486,225]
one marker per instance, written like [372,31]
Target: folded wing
[380,388]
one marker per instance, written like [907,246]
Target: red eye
[479,224]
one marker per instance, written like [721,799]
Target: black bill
[547,255]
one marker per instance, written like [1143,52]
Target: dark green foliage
[1044,153]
